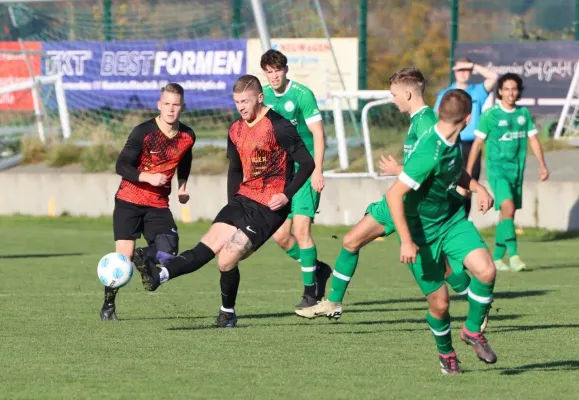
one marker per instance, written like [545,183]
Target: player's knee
[351,242]
[167,243]
[438,307]
[226,263]
[303,230]
[283,238]
[481,265]
[507,209]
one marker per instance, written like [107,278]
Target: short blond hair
[411,77]
[174,88]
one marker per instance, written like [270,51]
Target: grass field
[165,346]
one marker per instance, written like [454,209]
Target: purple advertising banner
[130,74]
[546,68]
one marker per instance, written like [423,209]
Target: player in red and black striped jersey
[147,163]
[262,149]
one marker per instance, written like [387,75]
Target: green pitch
[55,346]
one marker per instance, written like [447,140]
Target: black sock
[151,252]
[229,285]
[190,261]
[110,295]
[310,290]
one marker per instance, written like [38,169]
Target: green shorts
[504,189]
[381,213]
[306,201]
[455,244]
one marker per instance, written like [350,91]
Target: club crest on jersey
[521,119]
[289,106]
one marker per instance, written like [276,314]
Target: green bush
[33,150]
[99,158]
[63,154]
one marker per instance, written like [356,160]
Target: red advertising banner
[14,69]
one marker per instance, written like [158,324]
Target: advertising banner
[14,68]
[311,63]
[546,68]
[130,74]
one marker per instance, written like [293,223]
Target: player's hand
[408,252]
[544,174]
[183,197]
[278,200]
[388,165]
[484,199]
[463,65]
[318,182]
[158,179]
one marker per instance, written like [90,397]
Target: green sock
[294,252]
[343,271]
[459,282]
[510,237]
[480,297]
[308,258]
[441,330]
[500,248]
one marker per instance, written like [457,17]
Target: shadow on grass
[497,295]
[522,328]
[554,366]
[38,255]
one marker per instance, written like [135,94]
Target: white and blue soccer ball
[115,270]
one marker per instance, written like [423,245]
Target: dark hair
[410,77]
[273,58]
[510,77]
[173,88]
[455,105]
[246,82]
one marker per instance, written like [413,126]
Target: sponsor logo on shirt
[510,136]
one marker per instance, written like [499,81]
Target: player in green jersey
[407,88]
[506,128]
[431,222]
[297,103]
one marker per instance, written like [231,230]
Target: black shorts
[131,220]
[257,221]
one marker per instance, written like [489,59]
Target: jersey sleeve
[309,107]
[419,166]
[128,160]
[531,128]
[235,170]
[484,126]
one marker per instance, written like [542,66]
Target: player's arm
[481,132]
[490,77]
[484,199]
[417,169]
[313,119]
[183,172]
[537,148]
[288,137]
[128,160]
[235,171]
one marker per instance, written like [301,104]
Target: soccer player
[297,103]
[407,88]
[431,222]
[463,70]
[506,128]
[262,149]
[147,163]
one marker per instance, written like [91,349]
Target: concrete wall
[551,205]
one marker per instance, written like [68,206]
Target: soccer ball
[115,270]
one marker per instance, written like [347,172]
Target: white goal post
[379,97]
[569,120]
[33,83]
